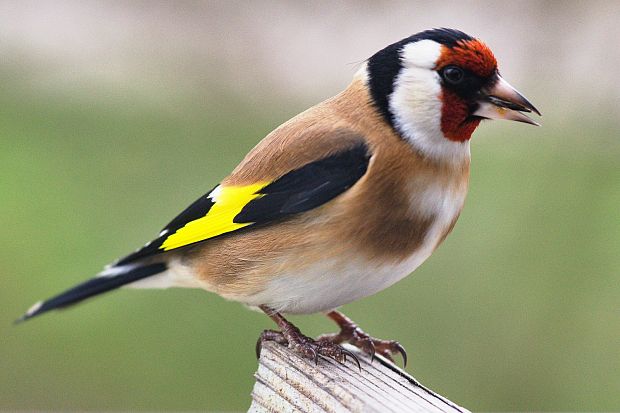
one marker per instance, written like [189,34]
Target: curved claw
[346,353]
[388,349]
[402,352]
[259,347]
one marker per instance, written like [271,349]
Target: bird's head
[436,86]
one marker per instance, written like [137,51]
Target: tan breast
[402,204]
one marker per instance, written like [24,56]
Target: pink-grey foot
[305,346]
[351,333]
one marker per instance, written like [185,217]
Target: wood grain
[287,383]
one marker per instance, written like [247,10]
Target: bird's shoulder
[315,134]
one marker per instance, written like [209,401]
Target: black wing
[297,191]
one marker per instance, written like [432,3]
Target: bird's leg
[351,333]
[291,336]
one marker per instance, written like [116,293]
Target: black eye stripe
[461,81]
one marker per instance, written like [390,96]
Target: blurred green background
[114,116]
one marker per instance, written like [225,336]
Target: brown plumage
[338,203]
[377,218]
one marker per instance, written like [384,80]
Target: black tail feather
[93,287]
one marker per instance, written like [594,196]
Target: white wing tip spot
[35,307]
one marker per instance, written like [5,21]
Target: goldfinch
[338,203]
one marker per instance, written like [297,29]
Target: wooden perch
[286,382]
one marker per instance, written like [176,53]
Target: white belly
[330,284]
[337,281]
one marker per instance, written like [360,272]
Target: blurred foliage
[518,310]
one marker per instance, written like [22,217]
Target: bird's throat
[456,123]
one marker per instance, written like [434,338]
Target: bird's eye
[453,74]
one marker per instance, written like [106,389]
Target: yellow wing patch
[228,202]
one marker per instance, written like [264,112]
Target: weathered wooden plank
[286,382]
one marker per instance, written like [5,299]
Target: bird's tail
[111,278]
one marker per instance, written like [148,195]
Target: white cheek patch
[416,104]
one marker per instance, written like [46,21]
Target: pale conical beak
[502,101]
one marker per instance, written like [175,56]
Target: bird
[338,203]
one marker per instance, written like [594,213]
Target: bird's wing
[228,208]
